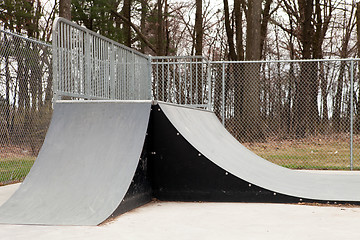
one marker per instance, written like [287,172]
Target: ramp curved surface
[85,165]
[205,133]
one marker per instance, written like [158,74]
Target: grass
[321,152]
[326,152]
[15,169]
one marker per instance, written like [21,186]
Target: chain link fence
[25,103]
[181,80]
[298,114]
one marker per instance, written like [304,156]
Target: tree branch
[136,29]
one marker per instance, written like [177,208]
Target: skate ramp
[103,158]
[225,169]
[85,166]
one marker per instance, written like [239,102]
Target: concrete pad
[6,192]
[180,220]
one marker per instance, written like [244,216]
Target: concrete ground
[178,220]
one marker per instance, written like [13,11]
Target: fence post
[351,111]
[209,85]
[150,78]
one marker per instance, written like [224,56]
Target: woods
[228,30]
[292,99]
[25,76]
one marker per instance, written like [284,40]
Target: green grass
[327,152]
[311,153]
[15,169]
[303,166]
[301,159]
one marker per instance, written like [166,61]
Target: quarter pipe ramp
[85,166]
[207,163]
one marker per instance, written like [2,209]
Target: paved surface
[85,166]
[179,221]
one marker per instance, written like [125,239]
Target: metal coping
[153,102]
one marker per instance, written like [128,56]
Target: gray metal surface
[85,166]
[203,130]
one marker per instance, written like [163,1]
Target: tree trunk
[160,43]
[198,28]
[357,117]
[239,68]
[144,11]
[229,32]
[7,91]
[253,32]
[251,120]
[65,9]
[239,31]
[264,24]
[166,28]
[324,95]
[126,11]
[218,70]
[338,99]
[302,85]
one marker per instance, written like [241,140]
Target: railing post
[133,80]
[87,65]
[351,112]
[55,48]
[150,78]
[112,71]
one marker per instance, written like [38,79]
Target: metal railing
[182,80]
[90,66]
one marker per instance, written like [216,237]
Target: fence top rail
[74,25]
[290,61]
[178,57]
[26,38]
[177,63]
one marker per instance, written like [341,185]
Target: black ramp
[85,165]
[205,133]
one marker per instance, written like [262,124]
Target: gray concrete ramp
[85,166]
[205,133]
